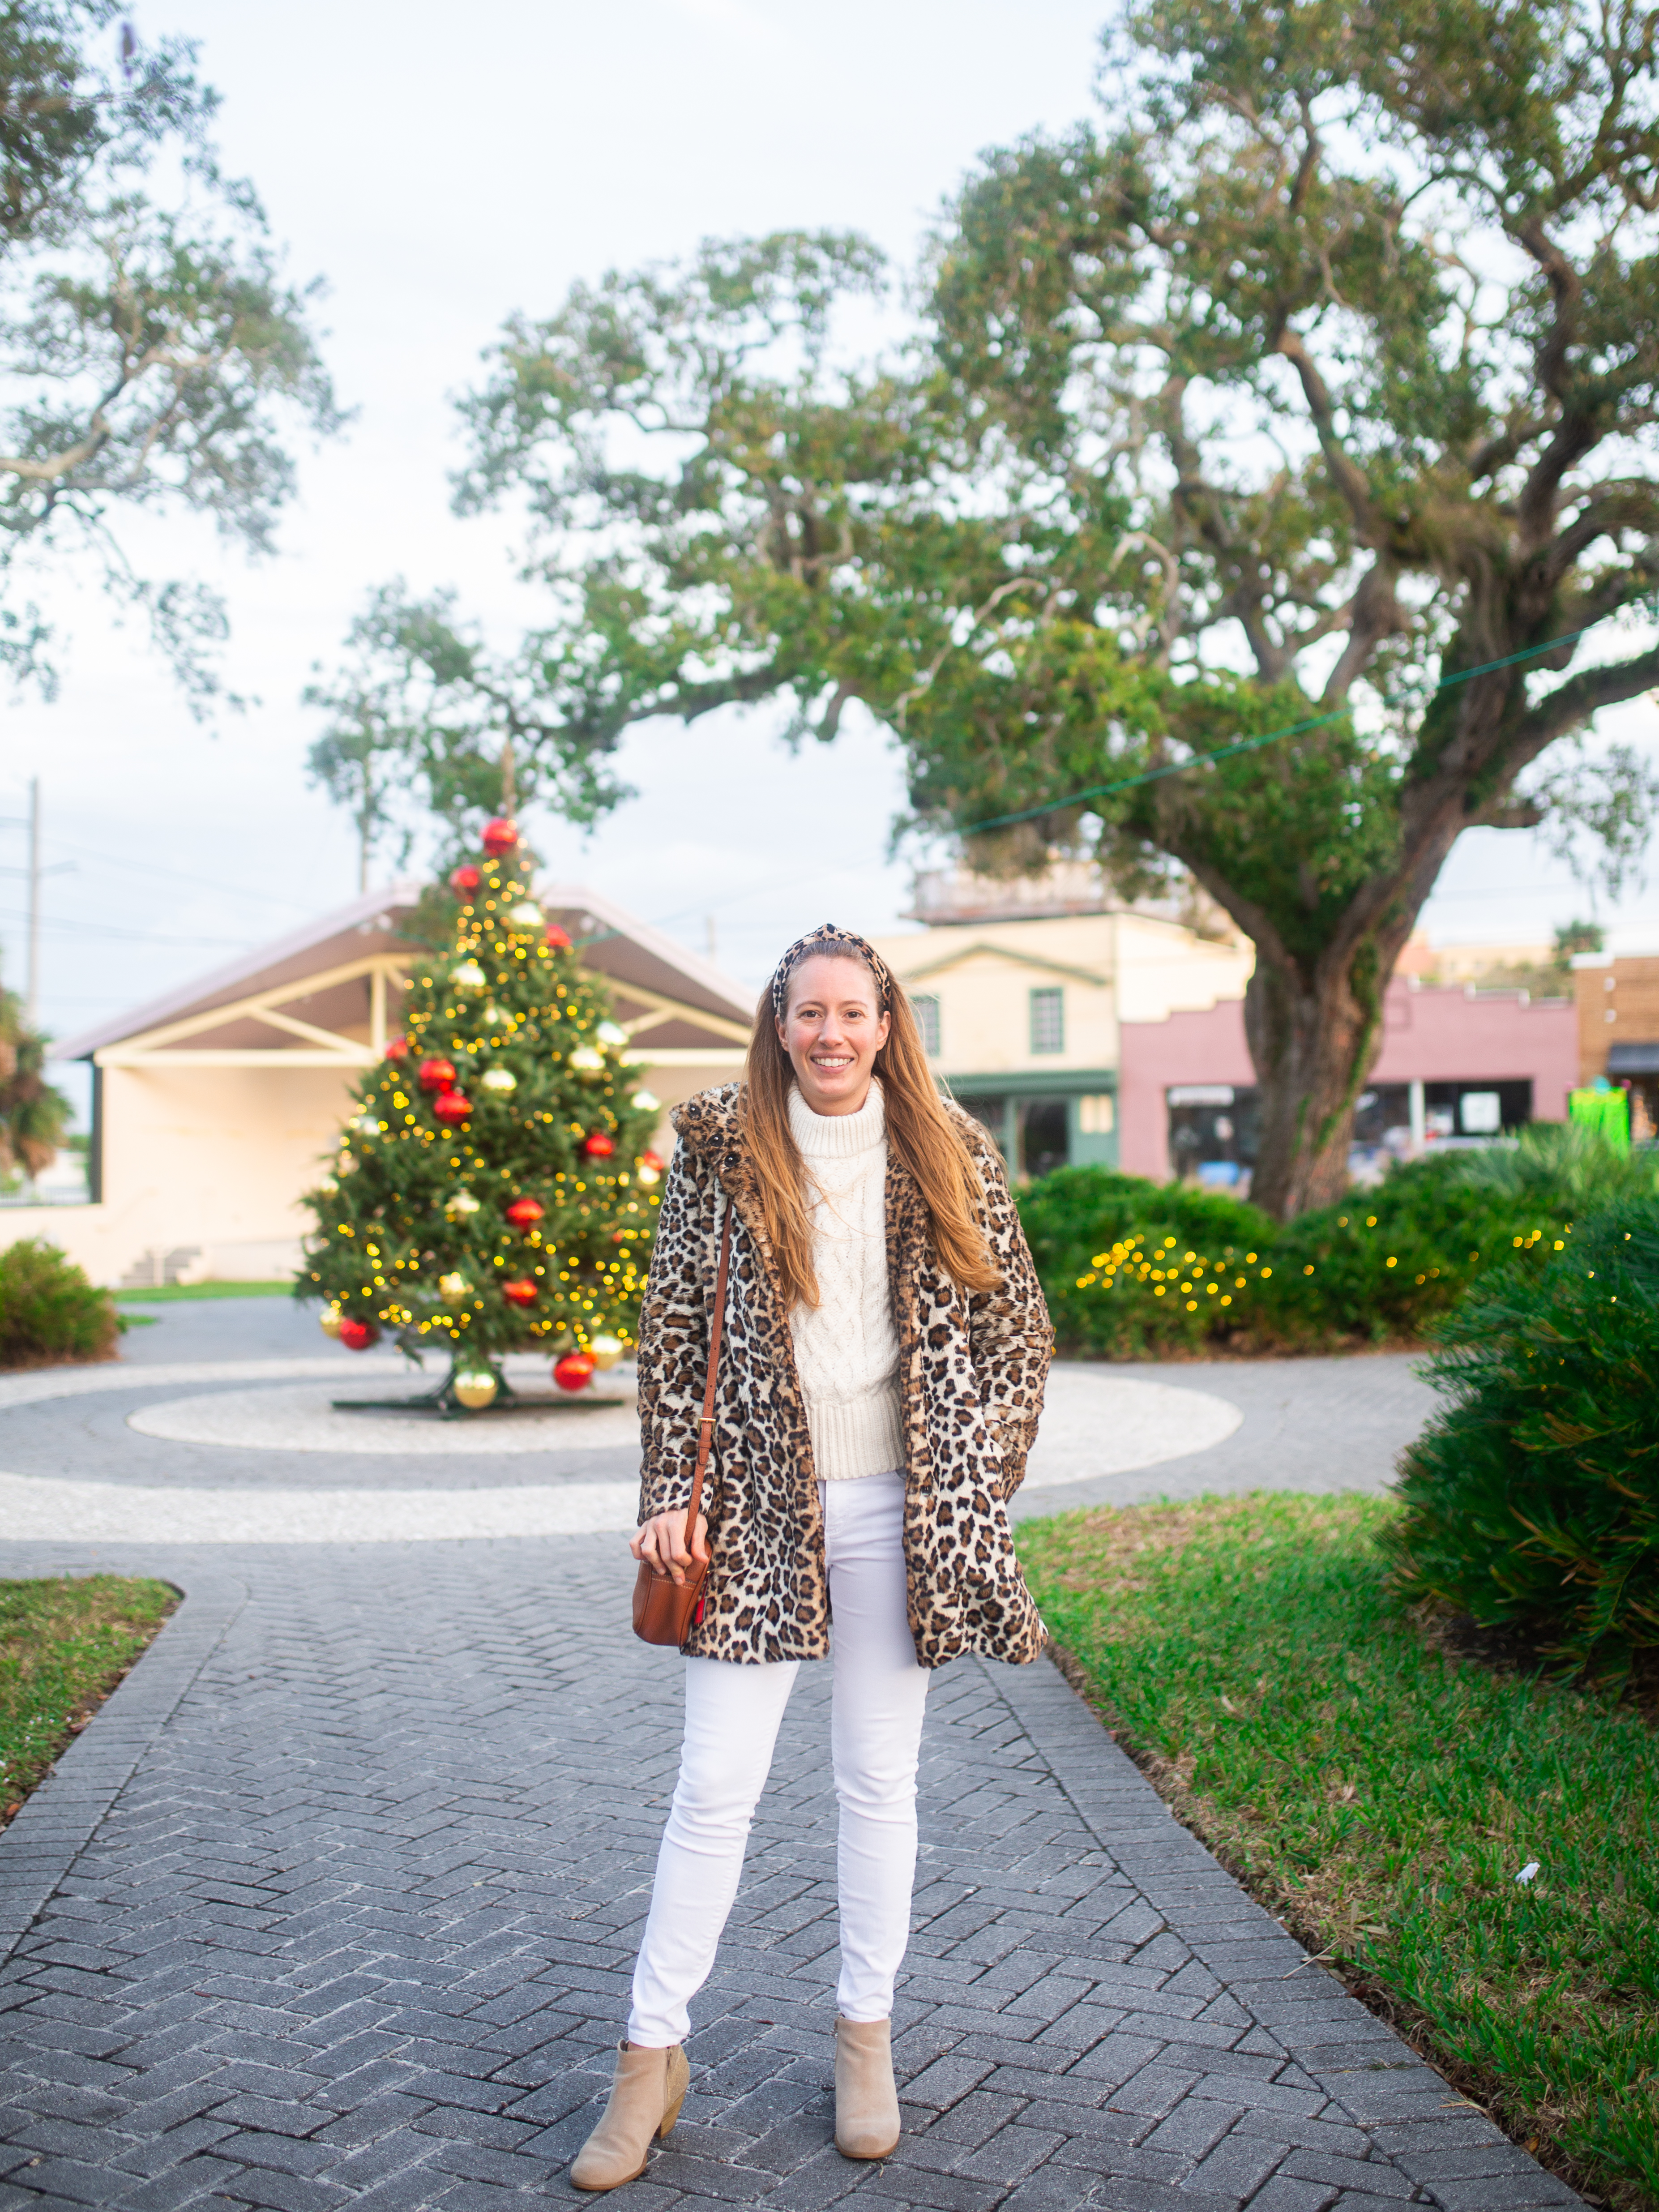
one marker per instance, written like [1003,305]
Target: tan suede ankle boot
[645,2101]
[867,2101]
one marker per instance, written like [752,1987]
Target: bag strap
[705,1426]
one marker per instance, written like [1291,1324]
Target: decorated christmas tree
[494,1191]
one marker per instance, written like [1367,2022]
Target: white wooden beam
[266,1056]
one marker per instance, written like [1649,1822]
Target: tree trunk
[1313,1038]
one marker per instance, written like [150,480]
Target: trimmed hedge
[49,1311]
[1134,1269]
[1532,1503]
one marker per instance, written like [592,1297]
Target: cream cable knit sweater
[846,1346]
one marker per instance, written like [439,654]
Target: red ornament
[525,1212]
[599,1145]
[575,1370]
[397,1048]
[358,1335]
[650,1160]
[465,880]
[453,1106]
[557,938]
[437,1075]
[522,1292]
[500,836]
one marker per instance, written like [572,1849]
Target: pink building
[1456,1064]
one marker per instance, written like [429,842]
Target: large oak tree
[1314,391]
[152,358]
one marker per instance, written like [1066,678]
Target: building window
[1096,1116]
[926,1011]
[1047,1021]
[993,1112]
[1044,1142]
[1213,1129]
[1475,1109]
[1031,1133]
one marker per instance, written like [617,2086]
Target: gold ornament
[586,1058]
[525,915]
[453,1287]
[498,1079]
[606,1351]
[469,976]
[460,1204]
[329,1322]
[476,1388]
[494,1018]
[649,1176]
[646,1100]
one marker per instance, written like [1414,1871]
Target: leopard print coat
[971,1370]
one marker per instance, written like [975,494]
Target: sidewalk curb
[1390,2094]
[60,1819]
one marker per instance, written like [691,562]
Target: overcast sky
[442,167]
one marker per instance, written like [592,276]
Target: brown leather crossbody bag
[664,1611]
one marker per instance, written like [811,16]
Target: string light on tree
[494,1190]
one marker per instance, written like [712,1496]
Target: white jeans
[731,1717]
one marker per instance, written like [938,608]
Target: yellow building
[1022,989]
[214,1105]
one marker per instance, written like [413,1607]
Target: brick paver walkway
[334,1904]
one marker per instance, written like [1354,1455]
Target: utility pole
[33,992]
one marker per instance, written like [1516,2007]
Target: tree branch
[1348,479]
[1375,616]
[1571,704]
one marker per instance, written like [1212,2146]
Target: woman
[880,1379]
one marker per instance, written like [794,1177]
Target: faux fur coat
[972,1373]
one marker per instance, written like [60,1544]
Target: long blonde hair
[918,1129]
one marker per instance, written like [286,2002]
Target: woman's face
[832,1031]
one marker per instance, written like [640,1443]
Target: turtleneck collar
[837,1135]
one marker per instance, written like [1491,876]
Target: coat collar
[710,1124]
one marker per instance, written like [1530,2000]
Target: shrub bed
[1386,1799]
[49,1311]
[1532,1503]
[1134,1269]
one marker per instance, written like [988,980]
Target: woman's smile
[832,1031]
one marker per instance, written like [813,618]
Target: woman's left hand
[661,1544]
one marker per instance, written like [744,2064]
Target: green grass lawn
[65,1642]
[1383,1797]
[169,1293]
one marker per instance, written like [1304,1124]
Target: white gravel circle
[1094,1423]
[302,1417]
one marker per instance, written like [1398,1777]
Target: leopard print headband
[837,944]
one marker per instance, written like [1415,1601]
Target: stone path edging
[40,1846]
[371,1950]
[1387,2091]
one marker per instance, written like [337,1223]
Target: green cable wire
[1269,737]
[1245,744]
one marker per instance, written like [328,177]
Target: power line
[182,876]
[123,936]
[1268,738]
